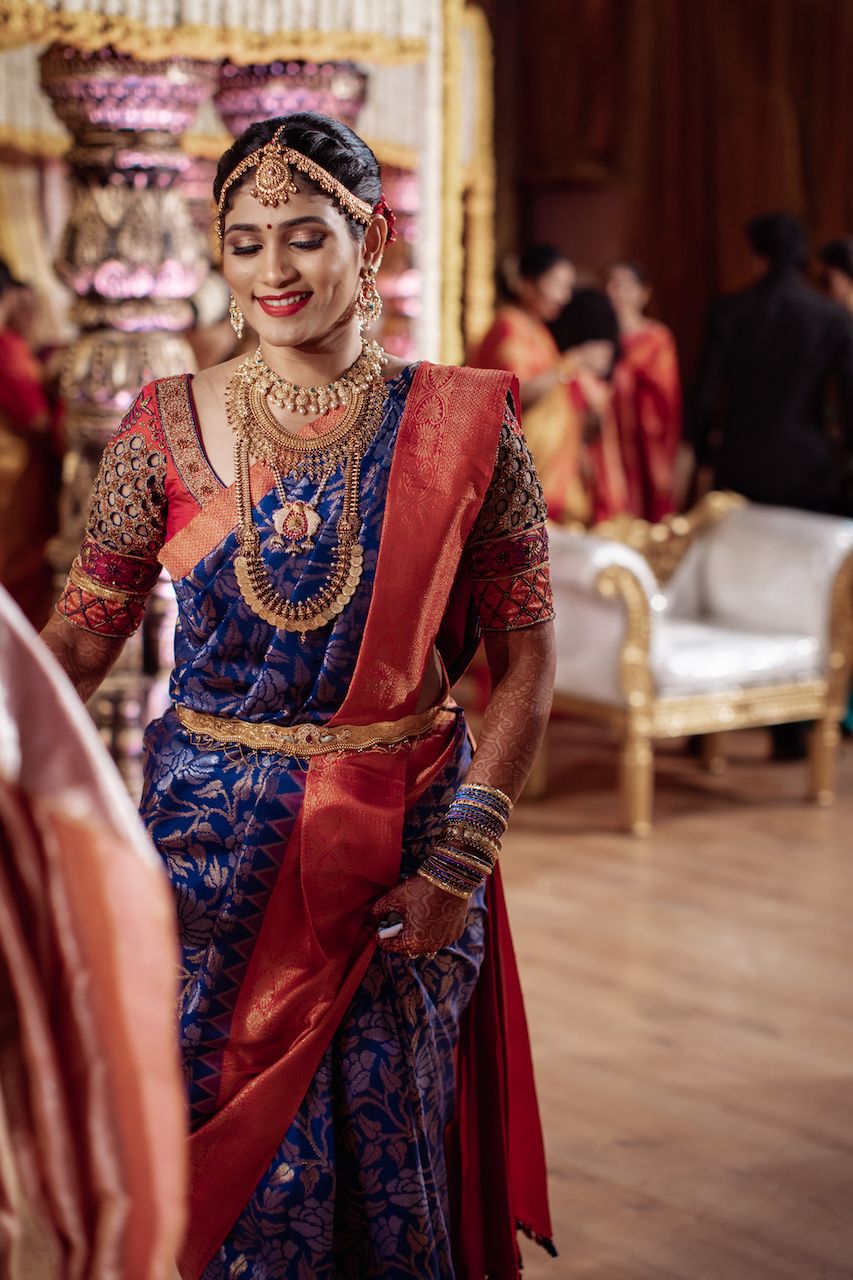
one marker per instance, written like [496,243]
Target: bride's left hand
[432,918]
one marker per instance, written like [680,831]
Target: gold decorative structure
[647,716]
[479,184]
[30,22]
[665,543]
[133,257]
[452,185]
[428,119]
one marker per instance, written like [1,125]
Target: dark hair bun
[589,317]
[538,259]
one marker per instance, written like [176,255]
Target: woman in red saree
[339,528]
[521,342]
[646,395]
[540,283]
[28,466]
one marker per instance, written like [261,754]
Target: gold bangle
[457,893]
[470,835]
[489,791]
[484,808]
[466,860]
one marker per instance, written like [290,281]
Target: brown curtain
[700,112]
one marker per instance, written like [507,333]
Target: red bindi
[269,226]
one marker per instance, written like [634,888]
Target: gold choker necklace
[296,522]
[316,400]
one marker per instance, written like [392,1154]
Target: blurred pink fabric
[92,1109]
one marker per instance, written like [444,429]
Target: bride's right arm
[84,656]
[103,601]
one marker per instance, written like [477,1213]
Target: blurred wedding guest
[837,260]
[774,354]
[586,452]
[31,320]
[540,284]
[28,464]
[646,394]
[92,1118]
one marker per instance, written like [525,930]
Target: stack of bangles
[469,842]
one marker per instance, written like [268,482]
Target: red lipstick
[284,304]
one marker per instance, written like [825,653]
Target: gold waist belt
[306,740]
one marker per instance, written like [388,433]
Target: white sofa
[732,616]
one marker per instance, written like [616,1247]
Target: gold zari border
[115,594]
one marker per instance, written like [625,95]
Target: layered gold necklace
[258,434]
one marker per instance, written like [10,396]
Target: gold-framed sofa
[734,615]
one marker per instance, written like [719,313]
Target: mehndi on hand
[432,906]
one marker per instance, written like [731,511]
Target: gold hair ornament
[274,164]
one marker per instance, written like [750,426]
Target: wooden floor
[691,1005]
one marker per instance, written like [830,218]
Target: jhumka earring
[368,304]
[235,315]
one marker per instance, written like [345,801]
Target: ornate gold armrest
[840,640]
[665,544]
[617,582]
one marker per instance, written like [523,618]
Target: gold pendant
[295,524]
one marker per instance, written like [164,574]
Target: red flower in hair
[382,206]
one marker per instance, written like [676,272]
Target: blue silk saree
[349,1109]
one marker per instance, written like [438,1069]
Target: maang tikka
[274,166]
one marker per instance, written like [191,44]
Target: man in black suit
[760,418]
[774,355]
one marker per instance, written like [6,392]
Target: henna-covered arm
[522,665]
[85,658]
[507,555]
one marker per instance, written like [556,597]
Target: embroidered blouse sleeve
[507,550]
[117,566]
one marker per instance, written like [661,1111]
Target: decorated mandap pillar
[133,257]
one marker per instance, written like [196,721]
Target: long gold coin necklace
[259,434]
